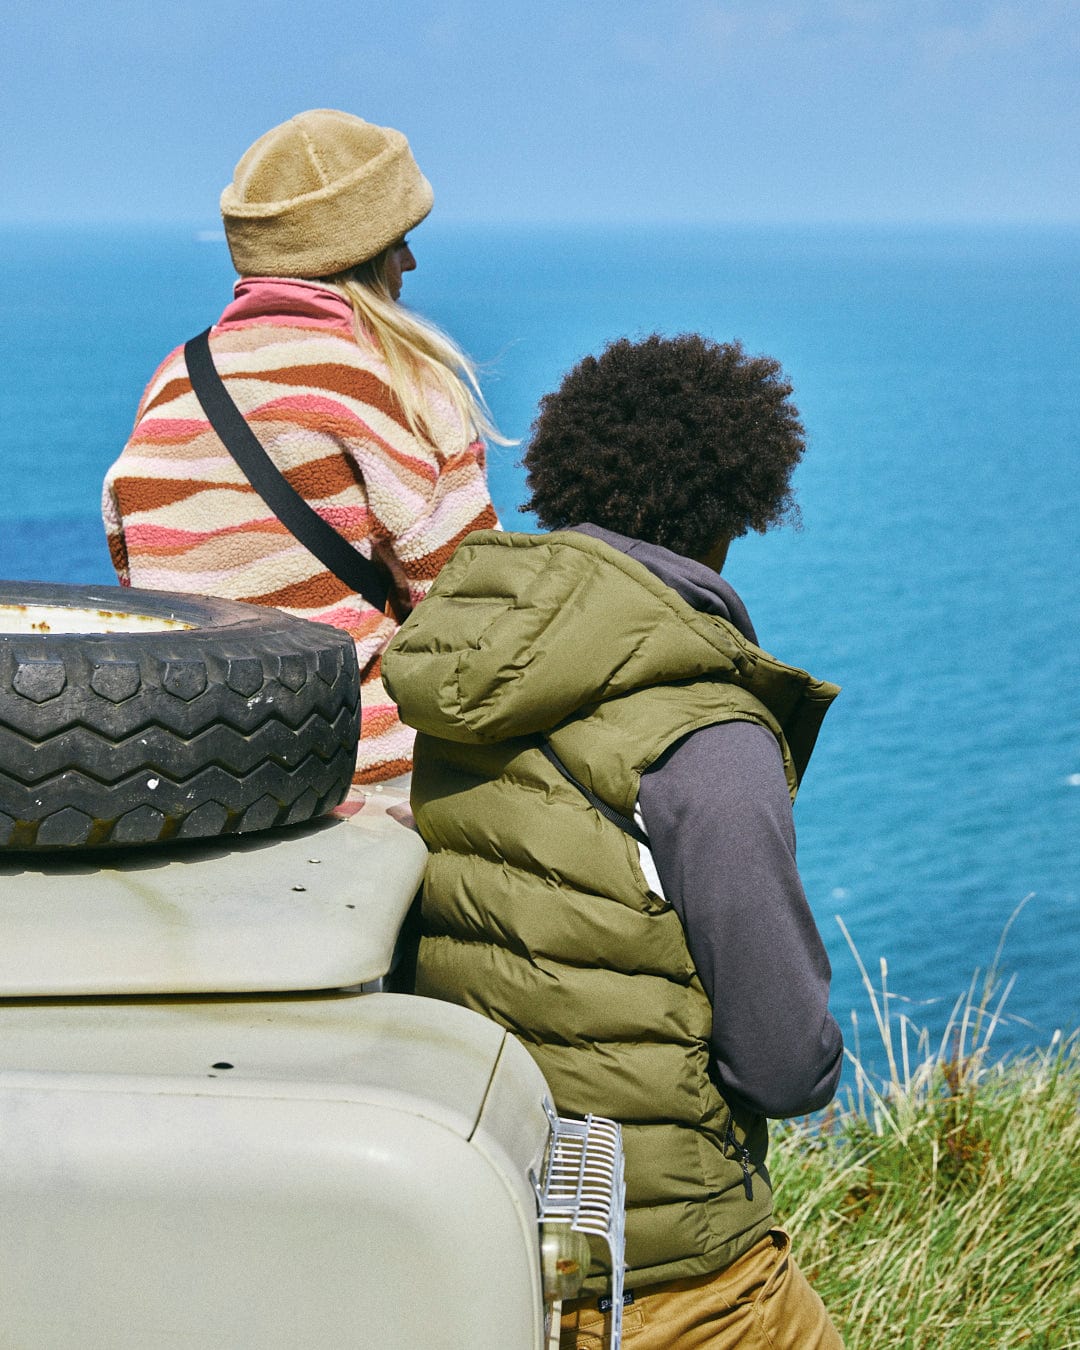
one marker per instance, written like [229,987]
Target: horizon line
[212,229]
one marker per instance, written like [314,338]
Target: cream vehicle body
[217,1126]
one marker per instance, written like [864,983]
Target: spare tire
[132,717]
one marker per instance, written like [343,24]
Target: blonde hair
[420,356]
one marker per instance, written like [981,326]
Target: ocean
[934,577]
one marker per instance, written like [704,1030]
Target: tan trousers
[762,1301]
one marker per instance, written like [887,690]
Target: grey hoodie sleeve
[718,815]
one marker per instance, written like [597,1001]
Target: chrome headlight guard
[584,1187]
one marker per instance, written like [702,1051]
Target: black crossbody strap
[332,549]
[624,823]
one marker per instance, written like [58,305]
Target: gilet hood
[521,632]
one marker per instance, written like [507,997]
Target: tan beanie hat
[320,193]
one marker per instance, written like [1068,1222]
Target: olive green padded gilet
[536,911]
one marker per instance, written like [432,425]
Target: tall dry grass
[938,1207]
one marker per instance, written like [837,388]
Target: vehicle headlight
[564,1260]
[583,1194]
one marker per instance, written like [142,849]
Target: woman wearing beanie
[371,414]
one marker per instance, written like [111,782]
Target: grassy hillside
[938,1208]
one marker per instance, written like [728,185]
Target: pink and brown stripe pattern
[180,516]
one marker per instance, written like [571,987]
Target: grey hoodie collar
[697,584]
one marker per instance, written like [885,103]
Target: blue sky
[541,110]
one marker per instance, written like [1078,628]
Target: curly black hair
[681,441]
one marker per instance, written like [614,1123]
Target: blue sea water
[935,576]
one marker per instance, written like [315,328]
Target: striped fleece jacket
[180,516]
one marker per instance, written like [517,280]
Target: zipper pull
[747,1179]
[743,1154]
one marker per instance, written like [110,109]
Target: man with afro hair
[605,767]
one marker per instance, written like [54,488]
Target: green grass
[939,1208]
